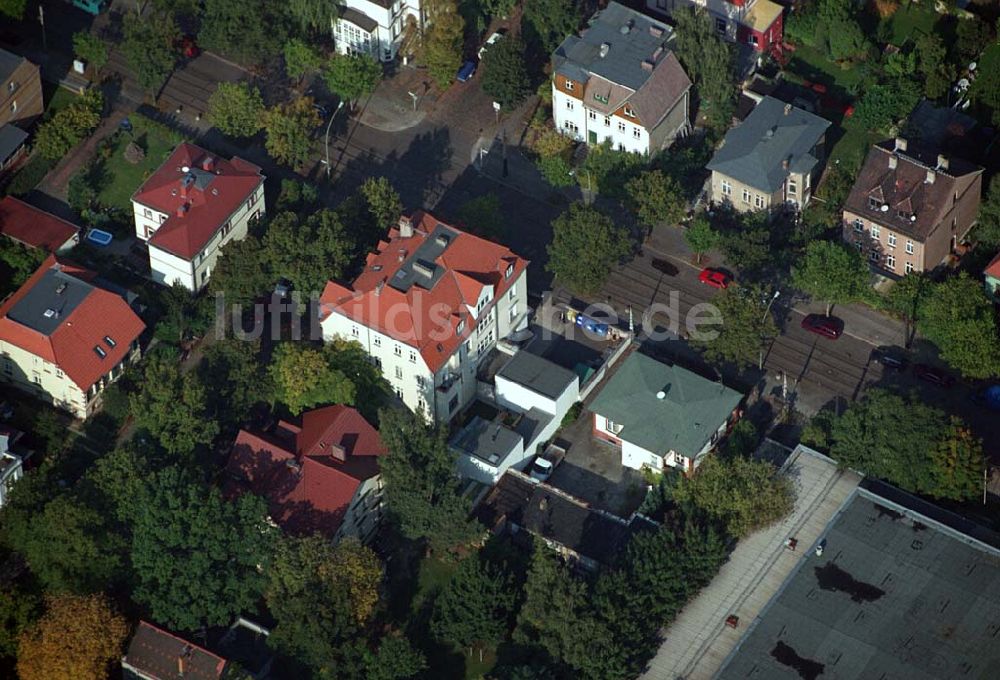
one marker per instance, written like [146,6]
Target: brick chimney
[405,227]
[208,163]
[788,109]
[182,209]
[931,176]
[893,161]
[942,163]
[900,144]
[338,452]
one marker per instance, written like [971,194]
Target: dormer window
[874,203]
[460,327]
[569,85]
[509,272]
[601,98]
[902,214]
[629,111]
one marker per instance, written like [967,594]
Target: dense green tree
[242,272]
[20,607]
[237,109]
[548,22]
[744,494]
[749,247]
[747,324]
[148,45]
[656,198]
[957,316]
[933,64]
[831,272]
[607,171]
[247,30]
[67,128]
[91,49]
[199,560]
[172,406]
[423,496]
[883,105]
[474,607]
[442,43]
[118,479]
[905,298]
[505,76]
[234,380]
[985,89]
[69,546]
[20,260]
[303,378]
[958,464]
[586,244]
[396,659]
[310,16]
[889,437]
[700,237]
[13,8]
[321,597]
[484,217]
[289,127]
[383,203]
[987,232]
[556,170]
[297,196]
[352,77]
[972,37]
[709,60]
[370,388]
[308,252]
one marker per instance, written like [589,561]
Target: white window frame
[909,247]
[727,188]
[891,239]
[859,225]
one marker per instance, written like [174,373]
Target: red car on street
[715,278]
[934,376]
[829,327]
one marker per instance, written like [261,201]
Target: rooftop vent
[215,191]
[647,65]
[655,31]
[605,48]
[626,27]
[931,176]
[61,288]
[173,192]
[424,268]
[402,254]
[442,240]
[893,161]
[494,458]
[788,109]
[51,313]
[900,144]
[942,162]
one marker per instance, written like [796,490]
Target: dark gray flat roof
[537,374]
[420,268]
[487,440]
[894,595]
[11,139]
[47,304]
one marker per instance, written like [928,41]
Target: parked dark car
[988,397]
[665,267]
[890,357]
[467,70]
[933,375]
[829,327]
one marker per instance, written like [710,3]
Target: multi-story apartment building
[618,82]
[21,100]
[770,160]
[320,476]
[64,338]
[431,302]
[375,27]
[756,23]
[192,206]
[910,207]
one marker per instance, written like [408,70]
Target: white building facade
[374,28]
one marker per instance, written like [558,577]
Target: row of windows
[888,261]
[636,131]
[758,200]
[876,231]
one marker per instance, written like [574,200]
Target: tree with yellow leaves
[79,636]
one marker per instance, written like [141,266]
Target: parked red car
[934,376]
[715,278]
[188,47]
[829,327]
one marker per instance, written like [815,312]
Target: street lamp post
[760,363]
[326,137]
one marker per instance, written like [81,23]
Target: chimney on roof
[931,176]
[655,31]
[294,466]
[402,255]
[605,48]
[208,164]
[379,286]
[182,209]
[788,109]
[338,452]
[182,658]
[405,227]
[900,144]
[893,160]
[784,164]
[647,65]
[942,163]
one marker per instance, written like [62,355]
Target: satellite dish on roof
[185,168]
[972,66]
[913,218]
[885,207]
[661,395]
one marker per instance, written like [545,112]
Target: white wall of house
[364,514]
[719,9]
[573,118]
[386,38]
[636,457]
[166,268]
[46,381]
[477,469]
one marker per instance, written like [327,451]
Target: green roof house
[662,415]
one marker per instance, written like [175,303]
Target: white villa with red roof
[318,477]
[431,302]
[192,206]
[64,338]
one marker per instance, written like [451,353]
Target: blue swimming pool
[99,237]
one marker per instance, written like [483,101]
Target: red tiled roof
[308,490]
[993,268]
[34,227]
[208,207]
[70,346]
[157,654]
[416,317]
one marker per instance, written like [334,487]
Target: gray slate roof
[753,151]
[894,595]
[47,304]
[11,139]
[691,411]
[632,38]
[537,374]
[487,440]
[8,64]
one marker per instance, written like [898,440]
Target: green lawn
[56,98]
[809,63]
[433,575]
[911,21]
[123,178]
